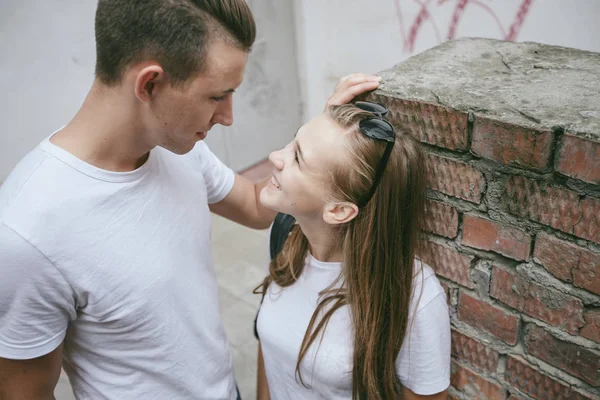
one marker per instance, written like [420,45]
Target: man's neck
[106,131]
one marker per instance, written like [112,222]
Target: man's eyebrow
[228,91]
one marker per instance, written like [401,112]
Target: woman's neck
[322,239]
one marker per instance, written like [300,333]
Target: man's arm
[33,379]
[36,305]
[242,205]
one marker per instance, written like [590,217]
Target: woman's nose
[276,159]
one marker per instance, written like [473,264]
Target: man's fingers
[344,96]
[359,77]
[351,86]
[357,89]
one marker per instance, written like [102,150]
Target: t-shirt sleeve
[218,177]
[423,364]
[36,303]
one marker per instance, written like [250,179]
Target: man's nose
[224,113]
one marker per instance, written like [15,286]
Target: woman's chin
[267,200]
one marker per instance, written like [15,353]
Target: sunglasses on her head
[377,128]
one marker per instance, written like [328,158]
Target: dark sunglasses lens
[377,129]
[374,108]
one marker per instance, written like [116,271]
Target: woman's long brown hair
[378,248]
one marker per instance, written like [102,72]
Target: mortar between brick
[540,275]
[557,133]
[555,373]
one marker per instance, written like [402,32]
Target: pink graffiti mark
[424,15]
[425,10]
[460,8]
[519,20]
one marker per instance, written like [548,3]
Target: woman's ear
[146,81]
[339,213]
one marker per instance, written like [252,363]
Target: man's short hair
[174,33]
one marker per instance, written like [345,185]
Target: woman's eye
[220,98]
[296,156]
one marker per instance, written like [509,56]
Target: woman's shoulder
[426,286]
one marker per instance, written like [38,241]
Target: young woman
[349,312]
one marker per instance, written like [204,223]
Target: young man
[105,264]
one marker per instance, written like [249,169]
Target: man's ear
[339,213]
[146,81]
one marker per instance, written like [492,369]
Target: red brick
[549,205]
[579,158]
[487,235]
[441,219]
[591,330]
[524,377]
[488,318]
[569,262]
[587,273]
[589,227]
[475,386]
[448,263]
[511,144]
[557,256]
[474,352]
[429,123]
[519,292]
[455,178]
[576,360]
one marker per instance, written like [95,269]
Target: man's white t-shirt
[423,364]
[119,266]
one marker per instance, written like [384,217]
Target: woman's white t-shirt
[423,364]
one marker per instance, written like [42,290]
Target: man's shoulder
[40,185]
[19,179]
[13,246]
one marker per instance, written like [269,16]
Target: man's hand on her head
[351,86]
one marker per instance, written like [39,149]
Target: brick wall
[513,211]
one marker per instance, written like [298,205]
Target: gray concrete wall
[46,63]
